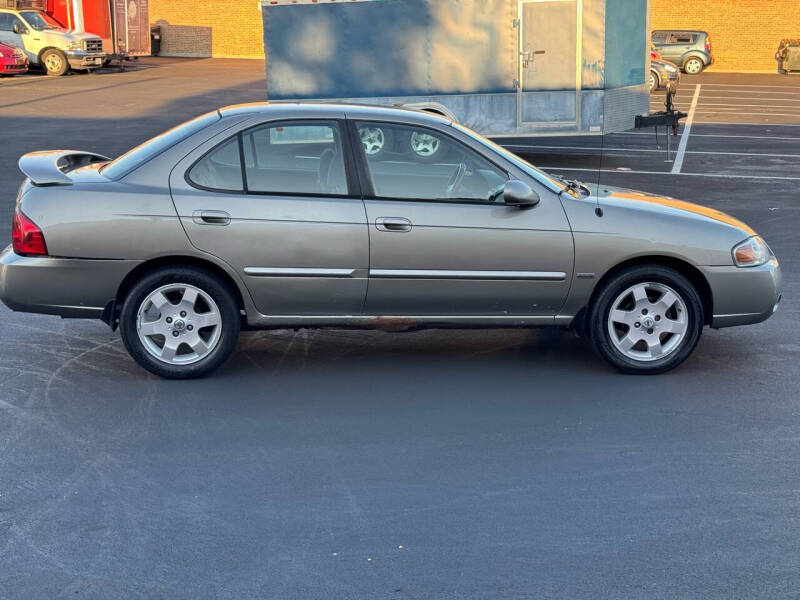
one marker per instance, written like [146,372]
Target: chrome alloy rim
[424,144]
[647,321]
[179,324]
[693,66]
[53,62]
[373,139]
[652,81]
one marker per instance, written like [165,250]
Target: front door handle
[393,224]
[211,217]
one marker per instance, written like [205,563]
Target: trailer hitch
[669,118]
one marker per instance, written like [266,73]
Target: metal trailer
[124,25]
[502,67]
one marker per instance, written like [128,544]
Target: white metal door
[550,61]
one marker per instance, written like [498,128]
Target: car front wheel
[180,323]
[646,320]
[55,62]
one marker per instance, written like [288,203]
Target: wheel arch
[112,309]
[654,72]
[685,268]
[690,55]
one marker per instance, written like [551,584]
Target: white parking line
[716,135]
[738,85]
[720,175]
[676,166]
[624,150]
[721,111]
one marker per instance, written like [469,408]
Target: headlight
[670,68]
[74,46]
[751,252]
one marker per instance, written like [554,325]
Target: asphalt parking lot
[437,464]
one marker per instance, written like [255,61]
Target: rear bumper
[85,60]
[744,295]
[68,287]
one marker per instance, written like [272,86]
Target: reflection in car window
[298,158]
[538,174]
[40,21]
[220,169]
[425,164]
[143,152]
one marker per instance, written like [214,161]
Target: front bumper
[13,66]
[85,60]
[744,295]
[69,287]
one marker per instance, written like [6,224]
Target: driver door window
[415,163]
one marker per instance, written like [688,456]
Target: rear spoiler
[50,167]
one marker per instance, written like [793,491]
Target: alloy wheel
[648,321]
[179,324]
[424,144]
[693,66]
[373,139]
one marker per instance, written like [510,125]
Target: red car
[12,60]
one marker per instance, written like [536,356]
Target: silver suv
[47,44]
[690,50]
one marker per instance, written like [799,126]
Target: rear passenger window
[295,158]
[220,169]
[680,38]
[659,37]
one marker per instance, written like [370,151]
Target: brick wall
[224,28]
[744,33]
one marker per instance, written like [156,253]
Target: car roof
[310,108]
[680,31]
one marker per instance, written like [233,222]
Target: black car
[690,50]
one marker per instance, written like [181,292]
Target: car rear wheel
[646,320]
[55,62]
[180,323]
[693,66]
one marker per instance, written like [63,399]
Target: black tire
[219,292]
[700,65]
[598,326]
[655,81]
[54,62]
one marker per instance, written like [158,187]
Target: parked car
[663,73]
[12,61]
[690,50]
[48,45]
[276,215]
[654,53]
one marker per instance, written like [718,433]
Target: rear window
[132,159]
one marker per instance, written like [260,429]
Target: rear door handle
[211,217]
[393,224]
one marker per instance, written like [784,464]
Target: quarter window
[298,158]
[417,163]
[220,169]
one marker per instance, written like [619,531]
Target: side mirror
[19,29]
[518,193]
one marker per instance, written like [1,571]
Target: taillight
[708,45]
[26,237]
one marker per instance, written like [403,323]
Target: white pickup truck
[47,44]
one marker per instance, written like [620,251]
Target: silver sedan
[314,215]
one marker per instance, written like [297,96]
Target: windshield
[555,184]
[137,156]
[40,21]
